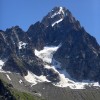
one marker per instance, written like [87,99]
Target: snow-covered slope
[47,53]
[65,80]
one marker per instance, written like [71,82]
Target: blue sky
[27,12]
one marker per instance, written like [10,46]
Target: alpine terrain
[55,59]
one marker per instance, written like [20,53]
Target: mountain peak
[58,11]
[56,16]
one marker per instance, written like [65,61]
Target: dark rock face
[14,64]
[79,53]
[36,34]
[43,33]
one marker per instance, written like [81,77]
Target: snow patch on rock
[8,77]
[1,64]
[57,22]
[61,11]
[20,81]
[22,45]
[32,78]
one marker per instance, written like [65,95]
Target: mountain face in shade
[53,28]
[78,52]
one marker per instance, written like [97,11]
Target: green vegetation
[23,96]
[7,92]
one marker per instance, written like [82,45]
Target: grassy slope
[7,92]
[23,96]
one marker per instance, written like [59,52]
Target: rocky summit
[56,50]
